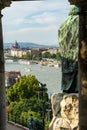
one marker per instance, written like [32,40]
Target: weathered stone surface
[61,123]
[65,112]
[4,3]
[55,100]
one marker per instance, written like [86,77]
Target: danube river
[49,75]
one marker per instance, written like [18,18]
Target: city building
[11,77]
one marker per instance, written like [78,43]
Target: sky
[34,21]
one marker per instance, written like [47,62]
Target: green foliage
[40,56]
[58,56]
[25,105]
[26,115]
[26,97]
[53,56]
[47,55]
[25,87]
[25,56]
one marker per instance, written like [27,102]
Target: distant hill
[28,44]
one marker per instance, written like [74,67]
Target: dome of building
[16,45]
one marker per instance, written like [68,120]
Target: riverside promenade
[10,126]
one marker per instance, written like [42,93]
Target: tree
[25,56]
[53,56]
[47,55]
[25,87]
[26,96]
[40,56]
[58,56]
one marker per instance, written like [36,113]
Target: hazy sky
[34,21]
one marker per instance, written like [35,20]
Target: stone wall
[65,112]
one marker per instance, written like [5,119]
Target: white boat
[27,69]
[9,61]
[23,62]
[57,65]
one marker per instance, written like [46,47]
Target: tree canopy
[25,87]
[26,96]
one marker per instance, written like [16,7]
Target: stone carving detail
[65,112]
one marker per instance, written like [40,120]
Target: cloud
[36,21]
[43,18]
[36,35]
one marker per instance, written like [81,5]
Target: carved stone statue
[68,40]
[65,112]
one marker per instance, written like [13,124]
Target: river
[49,75]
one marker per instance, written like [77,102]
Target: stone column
[82,62]
[2,83]
[3,3]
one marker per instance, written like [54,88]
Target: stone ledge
[25,128]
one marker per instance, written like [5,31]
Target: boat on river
[24,62]
[27,69]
